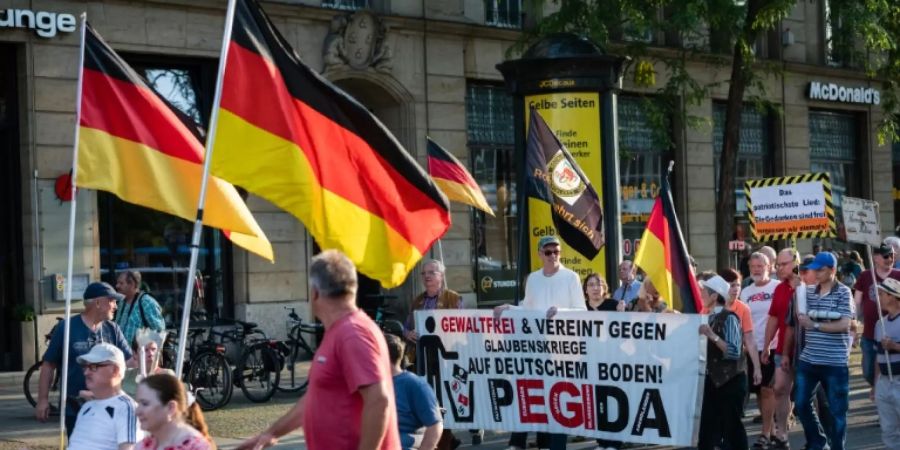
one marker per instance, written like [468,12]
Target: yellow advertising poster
[575,119]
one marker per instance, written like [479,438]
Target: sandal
[762,443]
[777,444]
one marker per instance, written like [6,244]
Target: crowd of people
[785,333]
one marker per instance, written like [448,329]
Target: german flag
[453,178]
[663,255]
[134,144]
[291,137]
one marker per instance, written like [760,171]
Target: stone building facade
[427,68]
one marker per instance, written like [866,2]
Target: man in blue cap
[823,358]
[93,326]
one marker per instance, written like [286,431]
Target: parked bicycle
[206,371]
[254,356]
[295,350]
[30,385]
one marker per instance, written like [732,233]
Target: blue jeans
[869,353]
[835,381]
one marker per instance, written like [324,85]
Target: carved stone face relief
[357,41]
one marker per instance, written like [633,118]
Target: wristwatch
[817,325]
[715,339]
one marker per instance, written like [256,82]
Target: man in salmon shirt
[350,381]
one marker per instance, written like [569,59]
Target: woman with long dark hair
[171,420]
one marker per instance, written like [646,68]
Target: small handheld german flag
[452,177]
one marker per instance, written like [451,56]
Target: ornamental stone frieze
[357,41]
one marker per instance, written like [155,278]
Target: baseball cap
[807,260]
[99,289]
[891,286]
[884,250]
[547,240]
[822,259]
[102,353]
[718,285]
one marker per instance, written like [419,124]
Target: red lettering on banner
[556,405]
[527,401]
[587,394]
[455,324]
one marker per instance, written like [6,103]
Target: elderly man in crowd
[93,326]
[108,421]
[628,286]
[551,288]
[351,376]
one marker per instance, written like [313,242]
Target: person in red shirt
[864,295]
[350,375]
[787,265]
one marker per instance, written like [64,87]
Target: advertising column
[572,84]
[575,119]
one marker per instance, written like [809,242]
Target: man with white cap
[93,326]
[551,288]
[887,382]
[108,421]
[824,357]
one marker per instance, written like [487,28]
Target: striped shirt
[733,336]
[828,349]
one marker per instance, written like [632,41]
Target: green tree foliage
[719,34]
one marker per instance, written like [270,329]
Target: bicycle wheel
[210,377]
[258,372]
[294,376]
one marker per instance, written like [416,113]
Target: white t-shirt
[105,424]
[759,299]
[562,290]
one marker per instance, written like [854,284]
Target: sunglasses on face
[95,367]
[551,252]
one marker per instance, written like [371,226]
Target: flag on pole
[452,177]
[663,255]
[134,144]
[552,175]
[314,151]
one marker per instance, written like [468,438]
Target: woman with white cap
[887,390]
[726,372]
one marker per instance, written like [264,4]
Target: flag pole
[201,202]
[64,376]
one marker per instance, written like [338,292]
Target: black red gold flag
[288,135]
[664,257]
[135,145]
[452,177]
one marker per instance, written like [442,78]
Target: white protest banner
[861,221]
[792,207]
[632,377]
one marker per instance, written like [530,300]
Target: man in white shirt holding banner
[552,288]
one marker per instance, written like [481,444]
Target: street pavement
[241,418]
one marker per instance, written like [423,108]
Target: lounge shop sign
[833,92]
[45,23]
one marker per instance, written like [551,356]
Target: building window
[503,13]
[838,43]
[642,162]
[491,142]
[349,5]
[158,244]
[833,148]
[754,156]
